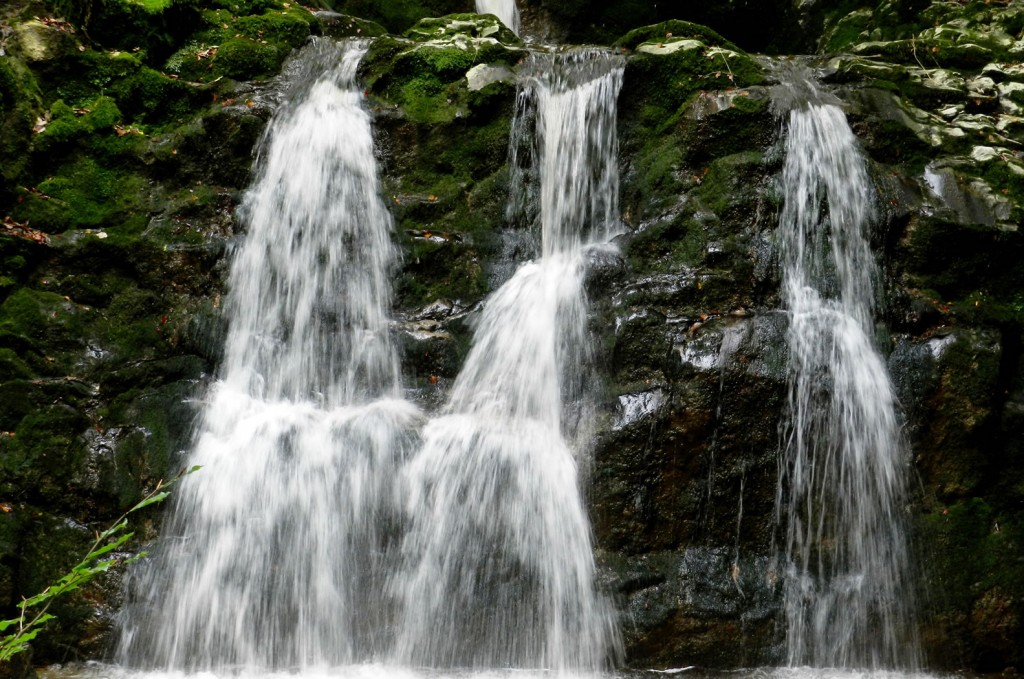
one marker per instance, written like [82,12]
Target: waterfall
[317,535]
[506,10]
[501,563]
[274,554]
[849,597]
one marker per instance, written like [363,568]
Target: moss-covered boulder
[242,45]
[425,75]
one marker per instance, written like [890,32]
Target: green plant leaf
[152,499]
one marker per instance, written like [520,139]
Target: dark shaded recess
[127,26]
[755,25]
[955,259]
[399,15]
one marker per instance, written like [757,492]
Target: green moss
[50,545]
[1006,182]
[972,549]
[66,125]
[428,81]
[82,193]
[725,186]
[931,52]
[468,25]
[666,82]
[81,76]
[677,235]
[150,27]
[159,422]
[40,319]
[11,266]
[131,327]
[245,58]
[453,183]
[46,449]
[290,27]
[150,97]
[153,5]
[670,245]
[19,107]
[657,182]
[12,367]
[242,47]
[850,29]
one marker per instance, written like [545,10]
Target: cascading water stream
[501,564]
[506,10]
[849,598]
[295,549]
[274,554]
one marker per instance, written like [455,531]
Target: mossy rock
[38,42]
[449,202]
[719,124]
[664,73]
[447,29]
[943,53]
[726,192]
[130,327]
[242,47]
[152,27]
[44,328]
[83,194]
[19,108]
[143,95]
[955,258]
[17,260]
[849,29]
[213,149]
[44,453]
[335,25]
[151,98]
[67,126]
[727,186]
[929,32]
[951,446]
[971,550]
[673,30]
[427,80]
[148,427]
[50,546]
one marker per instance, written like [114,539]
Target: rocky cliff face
[127,136]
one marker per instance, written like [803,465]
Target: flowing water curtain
[500,564]
[569,100]
[275,556]
[849,593]
[506,10]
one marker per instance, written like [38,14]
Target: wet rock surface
[127,137]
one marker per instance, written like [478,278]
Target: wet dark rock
[698,591]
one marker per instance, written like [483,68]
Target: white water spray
[502,570]
[848,592]
[506,10]
[275,552]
